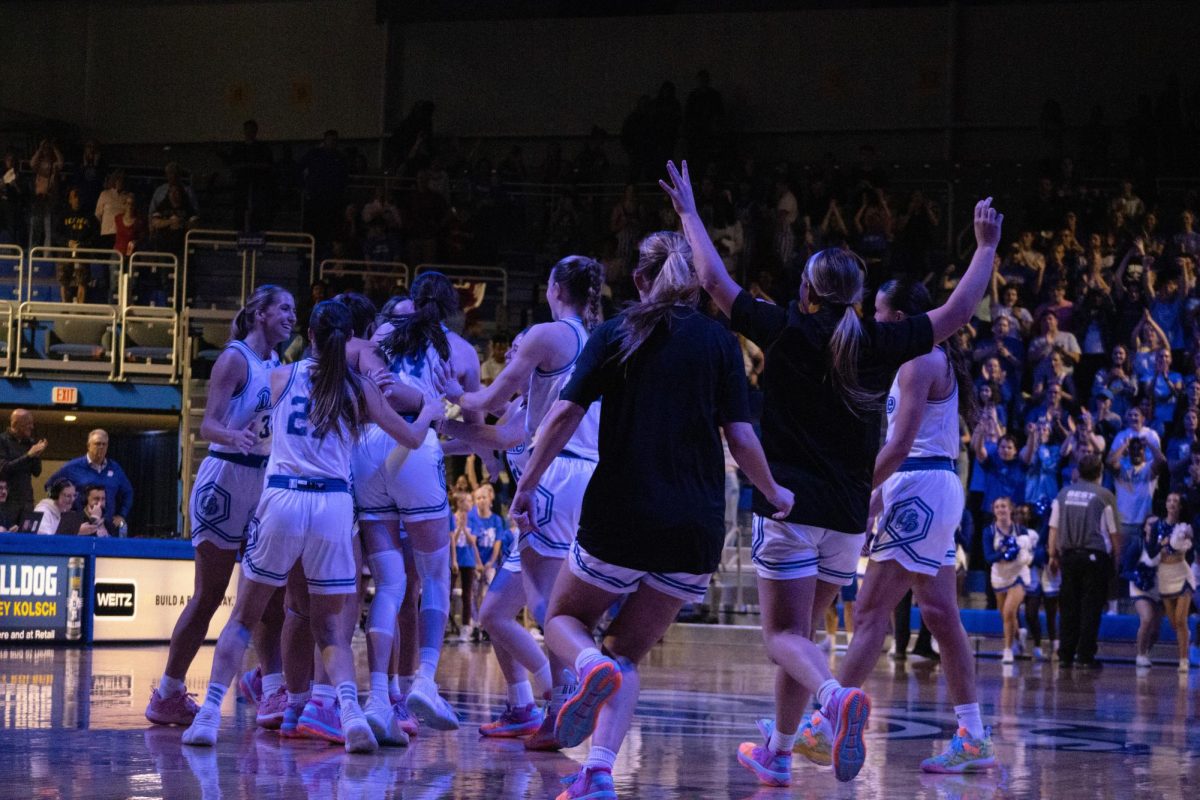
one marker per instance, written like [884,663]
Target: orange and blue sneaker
[812,740]
[408,722]
[577,717]
[250,686]
[513,722]
[770,767]
[965,754]
[590,783]
[848,712]
[291,719]
[321,720]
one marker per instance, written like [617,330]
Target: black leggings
[1033,604]
[466,578]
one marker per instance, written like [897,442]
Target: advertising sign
[41,598]
[140,599]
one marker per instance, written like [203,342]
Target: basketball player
[543,365]
[226,491]
[824,379]
[652,525]
[306,515]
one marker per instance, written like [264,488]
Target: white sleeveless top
[938,434]
[295,450]
[544,389]
[253,403]
[418,372]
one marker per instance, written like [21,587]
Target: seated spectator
[1004,344]
[94,503]
[1058,305]
[1053,410]
[1057,372]
[63,497]
[96,468]
[7,523]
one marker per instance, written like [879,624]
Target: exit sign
[65,395]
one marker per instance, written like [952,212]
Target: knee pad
[434,569]
[387,569]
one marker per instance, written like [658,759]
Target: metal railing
[12,272]
[43,265]
[7,317]
[231,287]
[75,330]
[370,276]
[150,339]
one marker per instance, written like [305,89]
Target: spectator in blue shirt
[1003,471]
[97,469]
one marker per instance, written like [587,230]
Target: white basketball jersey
[252,405]
[418,372]
[295,449]
[544,389]
[938,434]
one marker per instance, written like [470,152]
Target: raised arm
[513,378]
[958,309]
[714,278]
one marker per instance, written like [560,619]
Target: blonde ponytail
[835,278]
[664,261]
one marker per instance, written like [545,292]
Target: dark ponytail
[912,297]
[582,278]
[337,401]
[434,301]
[362,312]
[263,298]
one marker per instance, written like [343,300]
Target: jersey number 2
[298,420]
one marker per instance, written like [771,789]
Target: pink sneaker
[250,686]
[178,710]
[271,710]
[408,722]
[589,784]
[321,720]
[514,722]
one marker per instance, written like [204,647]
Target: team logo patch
[543,506]
[213,503]
[264,400]
[891,404]
[908,522]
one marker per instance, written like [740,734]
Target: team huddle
[613,431]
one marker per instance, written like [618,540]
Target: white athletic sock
[600,757]
[169,687]
[347,694]
[542,683]
[215,696]
[394,686]
[379,688]
[782,742]
[826,691]
[298,698]
[969,718]
[587,656]
[324,692]
[520,694]
[272,683]
[429,662]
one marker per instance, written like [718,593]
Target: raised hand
[988,222]
[679,189]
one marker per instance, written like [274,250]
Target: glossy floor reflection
[71,726]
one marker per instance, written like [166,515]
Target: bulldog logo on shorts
[907,523]
[213,503]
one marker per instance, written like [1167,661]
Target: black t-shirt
[815,445]
[656,500]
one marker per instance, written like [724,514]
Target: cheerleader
[1168,542]
[306,516]
[1009,548]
